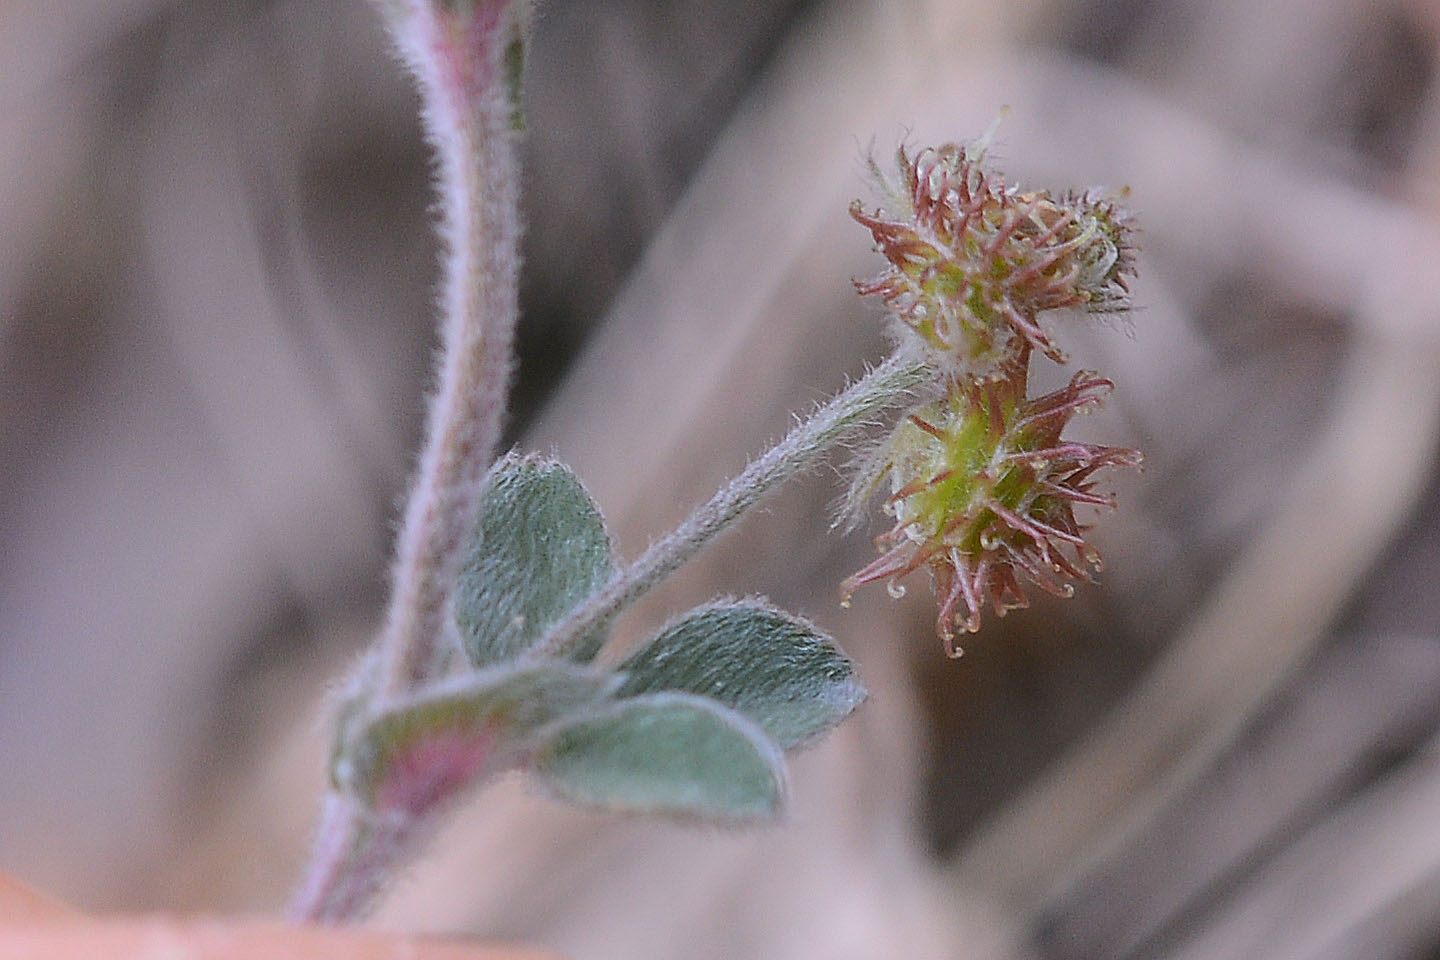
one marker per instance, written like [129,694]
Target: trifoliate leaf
[772,666]
[669,753]
[422,751]
[540,548]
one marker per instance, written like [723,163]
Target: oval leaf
[775,668]
[670,753]
[420,752]
[540,548]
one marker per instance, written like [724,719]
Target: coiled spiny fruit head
[983,492]
[973,263]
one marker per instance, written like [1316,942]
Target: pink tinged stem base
[426,774]
[354,854]
[361,841]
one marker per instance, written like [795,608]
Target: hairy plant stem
[463,58]
[469,121]
[882,387]
[353,856]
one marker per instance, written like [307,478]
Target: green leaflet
[668,753]
[774,667]
[540,548]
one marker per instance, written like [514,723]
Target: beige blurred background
[215,274]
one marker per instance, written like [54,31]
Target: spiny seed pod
[983,490]
[973,263]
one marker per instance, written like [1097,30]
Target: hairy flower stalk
[983,486]
[887,385]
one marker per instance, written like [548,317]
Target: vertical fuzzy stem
[464,55]
[458,51]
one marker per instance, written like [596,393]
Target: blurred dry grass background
[214,278]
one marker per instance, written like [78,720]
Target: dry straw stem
[21,903]
[1364,883]
[152,938]
[1355,700]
